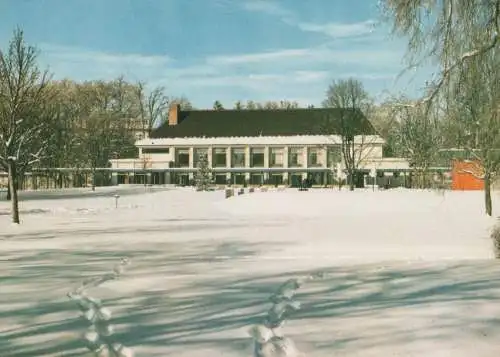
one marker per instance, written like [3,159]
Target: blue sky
[224,50]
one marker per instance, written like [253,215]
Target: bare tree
[475,113]
[350,97]
[454,32]
[463,36]
[239,105]
[251,105]
[270,105]
[157,107]
[417,136]
[122,97]
[282,104]
[103,130]
[62,149]
[24,113]
[153,108]
[383,118]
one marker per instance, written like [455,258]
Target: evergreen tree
[203,177]
[218,105]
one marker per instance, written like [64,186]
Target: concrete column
[305,160]
[228,161]
[323,156]
[247,156]
[210,156]
[247,161]
[173,156]
[228,157]
[285,162]
[285,157]
[114,178]
[191,162]
[266,162]
[191,157]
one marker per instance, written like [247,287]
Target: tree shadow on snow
[168,226]
[197,302]
[37,319]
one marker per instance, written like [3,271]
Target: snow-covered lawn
[404,273]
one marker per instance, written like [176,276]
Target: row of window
[257,157]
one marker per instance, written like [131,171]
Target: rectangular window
[238,157]
[256,179]
[220,179]
[313,157]
[219,157]
[182,157]
[155,150]
[257,157]
[295,157]
[276,156]
[334,155]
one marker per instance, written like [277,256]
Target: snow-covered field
[405,273]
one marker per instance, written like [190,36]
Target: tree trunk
[13,190]
[9,195]
[59,180]
[351,181]
[487,194]
[93,179]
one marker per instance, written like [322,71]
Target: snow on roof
[258,140]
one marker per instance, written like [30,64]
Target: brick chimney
[173,114]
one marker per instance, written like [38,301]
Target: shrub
[495,235]
[229,192]
[98,337]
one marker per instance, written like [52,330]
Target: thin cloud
[76,54]
[282,74]
[267,7]
[256,81]
[84,64]
[369,58]
[331,29]
[340,30]
[259,57]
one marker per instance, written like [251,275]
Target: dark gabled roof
[278,122]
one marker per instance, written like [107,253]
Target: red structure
[466,175]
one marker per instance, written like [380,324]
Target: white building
[256,147]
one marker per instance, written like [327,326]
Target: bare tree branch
[454,32]
[350,98]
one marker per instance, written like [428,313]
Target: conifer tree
[203,177]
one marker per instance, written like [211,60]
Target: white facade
[256,160]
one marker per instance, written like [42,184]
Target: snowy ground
[405,273]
